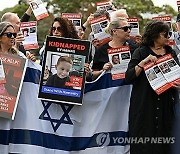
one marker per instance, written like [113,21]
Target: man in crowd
[15,21]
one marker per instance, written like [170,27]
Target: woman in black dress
[119,29]
[151,115]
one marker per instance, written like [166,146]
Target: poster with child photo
[63,77]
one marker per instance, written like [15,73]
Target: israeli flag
[42,127]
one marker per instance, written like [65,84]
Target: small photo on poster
[115,59]
[104,24]
[125,56]
[157,70]
[109,7]
[76,22]
[164,68]
[64,71]
[134,25]
[171,63]
[25,32]
[96,28]
[33,30]
[151,75]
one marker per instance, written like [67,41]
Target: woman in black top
[119,29]
[151,115]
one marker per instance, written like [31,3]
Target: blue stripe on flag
[104,82]
[31,137]
[32,75]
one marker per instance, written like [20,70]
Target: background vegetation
[143,9]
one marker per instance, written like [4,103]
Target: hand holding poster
[163,73]
[38,9]
[119,58]
[29,30]
[63,74]
[14,68]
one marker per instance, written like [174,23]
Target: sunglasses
[125,28]
[56,28]
[9,34]
[166,34]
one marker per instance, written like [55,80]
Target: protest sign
[29,30]
[119,58]
[64,63]
[14,68]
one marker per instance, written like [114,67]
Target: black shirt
[101,55]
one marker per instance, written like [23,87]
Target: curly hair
[67,28]
[152,32]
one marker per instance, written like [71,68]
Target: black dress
[150,115]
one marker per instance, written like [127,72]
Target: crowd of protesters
[150,115]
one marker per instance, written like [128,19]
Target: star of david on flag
[55,122]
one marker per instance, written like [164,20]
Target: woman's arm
[136,65]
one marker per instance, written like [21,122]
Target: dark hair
[152,31]
[67,28]
[65,59]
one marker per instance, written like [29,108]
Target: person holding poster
[151,115]
[7,40]
[119,29]
[61,27]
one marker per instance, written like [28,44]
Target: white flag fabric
[42,127]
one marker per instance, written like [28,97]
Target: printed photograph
[115,59]
[125,56]
[96,28]
[157,70]
[151,75]
[25,32]
[164,68]
[32,29]
[171,63]
[64,71]
[109,7]
[134,25]
[104,24]
[76,22]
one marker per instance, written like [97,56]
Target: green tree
[135,8]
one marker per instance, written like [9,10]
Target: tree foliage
[135,8]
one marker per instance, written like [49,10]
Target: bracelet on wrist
[140,66]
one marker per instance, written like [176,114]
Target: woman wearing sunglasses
[119,29]
[151,115]
[61,27]
[7,40]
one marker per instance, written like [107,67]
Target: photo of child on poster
[63,67]
[65,71]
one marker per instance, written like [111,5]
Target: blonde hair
[115,23]
[122,13]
